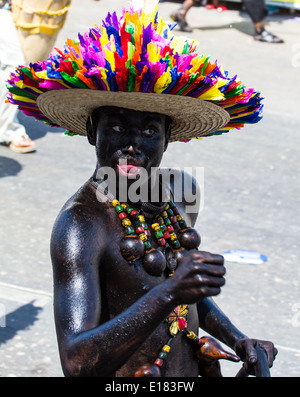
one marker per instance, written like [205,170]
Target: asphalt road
[251,198]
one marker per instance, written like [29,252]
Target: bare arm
[89,343]
[211,317]
[216,323]
[188,199]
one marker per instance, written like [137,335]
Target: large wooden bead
[154,262]
[132,248]
[212,350]
[148,371]
[170,259]
[179,254]
[189,238]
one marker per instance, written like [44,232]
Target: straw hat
[134,62]
[190,117]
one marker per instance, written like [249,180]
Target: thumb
[251,355]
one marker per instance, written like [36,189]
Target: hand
[199,275]
[245,349]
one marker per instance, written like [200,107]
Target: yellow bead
[126,222]
[164,214]
[141,218]
[160,220]
[167,207]
[115,203]
[173,236]
[191,335]
[155,226]
[178,217]
[166,348]
[143,236]
[124,205]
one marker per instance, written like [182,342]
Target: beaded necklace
[170,231]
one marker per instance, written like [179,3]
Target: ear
[168,134]
[91,131]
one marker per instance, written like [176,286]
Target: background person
[12,133]
[258,11]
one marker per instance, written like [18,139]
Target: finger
[271,352]
[275,351]
[204,280]
[210,291]
[208,257]
[251,355]
[213,270]
[272,356]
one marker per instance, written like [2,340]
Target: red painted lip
[128,170]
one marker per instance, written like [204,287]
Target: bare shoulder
[185,189]
[79,224]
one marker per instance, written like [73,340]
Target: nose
[131,150]
[133,144]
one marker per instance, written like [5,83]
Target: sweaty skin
[109,314]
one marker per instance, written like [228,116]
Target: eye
[118,128]
[149,132]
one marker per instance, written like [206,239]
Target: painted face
[128,140]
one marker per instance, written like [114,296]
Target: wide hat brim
[191,117]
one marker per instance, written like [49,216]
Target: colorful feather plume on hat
[135,52]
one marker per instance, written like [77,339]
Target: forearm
[217,324]
[102,350]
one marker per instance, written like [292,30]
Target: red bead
[139,230]
[161,241]
[122,215]
[147,232]
[175,211]
[170,229]
[159,362]
[166,235]
[134,214]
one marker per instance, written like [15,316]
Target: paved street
[251,197]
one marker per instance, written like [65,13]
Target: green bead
[171,204]
[158,234]
[147,244]
[163,228]
[162,355]
[119,208]
[144,224]
[182,224]
[170,212]
[167,222]
[128,210]
[129,230]
[175,244]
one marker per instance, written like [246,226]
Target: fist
[199,275]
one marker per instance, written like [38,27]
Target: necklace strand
[163,228]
